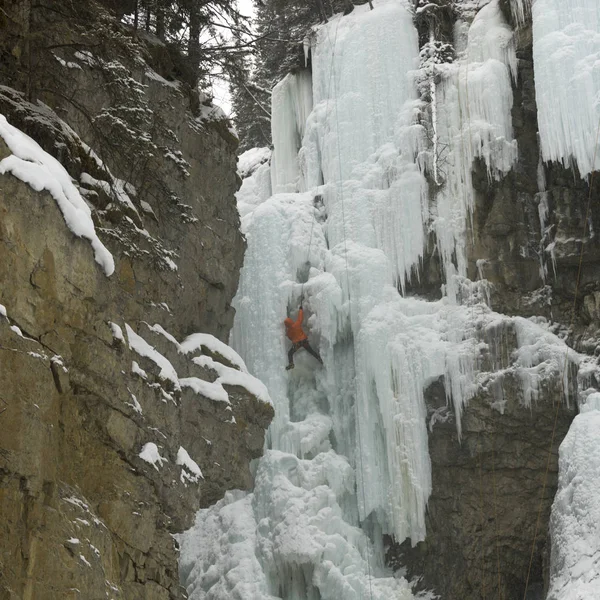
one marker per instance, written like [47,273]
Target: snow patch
[196,341]
[213,391]
[190,470]
[143,348]
[32,165]
[151,455]
[117,332]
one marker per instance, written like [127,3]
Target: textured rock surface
[82,515]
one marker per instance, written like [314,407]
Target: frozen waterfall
[340,218]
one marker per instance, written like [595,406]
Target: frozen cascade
[474,104]
[566,53]
[347,453]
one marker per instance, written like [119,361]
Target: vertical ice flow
[474,102]
[292,97]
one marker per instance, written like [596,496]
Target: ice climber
[294,331]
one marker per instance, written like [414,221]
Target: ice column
[290,106]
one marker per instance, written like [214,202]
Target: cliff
[119,239]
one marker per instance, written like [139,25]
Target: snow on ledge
[151,455]
[235,376]
[143,348]
[117,332]
[34,166]
[250,160]
[197,340]
[229,376]
[213,391]
[190,470]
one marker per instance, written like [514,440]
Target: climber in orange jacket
[294,331]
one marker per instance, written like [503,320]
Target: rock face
[493,489]
[83,515]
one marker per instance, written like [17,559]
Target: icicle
[566,55]
[291,105]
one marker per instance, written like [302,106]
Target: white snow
[135,405]
[196,341]
[16,330]
[229,376]
[190,470]
[67,64]
[85,561]
[77,502]
[116,189]
[151,455]
[255,189]
[213,391]
[137,370]
[139,345]
[117,332]
[32,165]
[566,53]
[156,328]
[250,160]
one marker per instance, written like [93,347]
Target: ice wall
[566,54]
[575,520]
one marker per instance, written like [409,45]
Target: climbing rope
[565,366]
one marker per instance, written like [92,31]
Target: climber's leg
[291,353]
[312,352]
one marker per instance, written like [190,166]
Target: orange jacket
[293,329]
